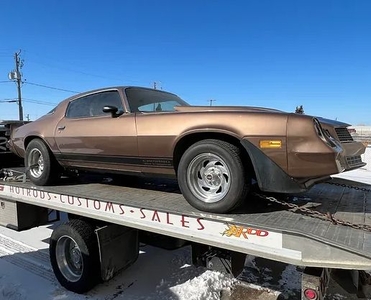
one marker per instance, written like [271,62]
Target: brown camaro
[215,152]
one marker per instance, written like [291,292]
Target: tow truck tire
[74,256]
[212,176]
[41,166]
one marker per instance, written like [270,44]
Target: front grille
[343,135]
[354,161]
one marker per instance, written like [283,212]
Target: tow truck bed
[259,228]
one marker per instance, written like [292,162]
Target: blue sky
[277,54]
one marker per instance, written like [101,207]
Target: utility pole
[18,66]
[155,85]
[17,77]
[211,101]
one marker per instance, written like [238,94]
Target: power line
[51,87]
[5,81]
[38,100]
[41,102]
[31,59]
[5,54]
[75,71]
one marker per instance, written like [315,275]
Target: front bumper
[350,158]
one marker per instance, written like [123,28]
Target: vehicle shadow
[130,181]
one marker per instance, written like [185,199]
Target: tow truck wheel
[212,176]
[42,169]
[74,256]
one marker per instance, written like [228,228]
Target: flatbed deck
[259,228]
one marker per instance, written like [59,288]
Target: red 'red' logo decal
[1,188]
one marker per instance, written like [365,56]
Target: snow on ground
[157,274]
[25,272]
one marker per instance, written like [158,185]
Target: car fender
[270,177]
[203,131]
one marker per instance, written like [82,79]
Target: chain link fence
[361,134]
[365,139]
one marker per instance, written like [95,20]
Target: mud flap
[118,249]
[218,259]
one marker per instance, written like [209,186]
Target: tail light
[310,294]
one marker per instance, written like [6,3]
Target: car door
[89,138]
[157,127]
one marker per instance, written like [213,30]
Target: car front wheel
[212,177]
[41,167]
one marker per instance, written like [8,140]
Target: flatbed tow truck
[327,228]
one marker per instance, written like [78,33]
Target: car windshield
[146,100]
[52,111]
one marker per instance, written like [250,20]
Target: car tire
[74,256]
[41,166]
[212,176]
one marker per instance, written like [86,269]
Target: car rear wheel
[41,167]
[212,177]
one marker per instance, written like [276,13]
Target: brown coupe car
[214,152]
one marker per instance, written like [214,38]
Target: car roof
[122,87]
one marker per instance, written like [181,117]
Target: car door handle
[61,127]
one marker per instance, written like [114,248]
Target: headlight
[325,135]
[319,129]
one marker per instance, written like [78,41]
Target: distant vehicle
[352,130]
[214,152]
[7,158]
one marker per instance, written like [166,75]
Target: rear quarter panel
[43,128]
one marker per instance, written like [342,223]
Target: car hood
[225,108]
[333,123]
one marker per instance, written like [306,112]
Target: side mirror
[113,110]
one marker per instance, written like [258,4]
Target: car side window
[98,101]
[78,108]
[92,105]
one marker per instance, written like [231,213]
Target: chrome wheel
[69,258]
[208,177]
[36,163]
